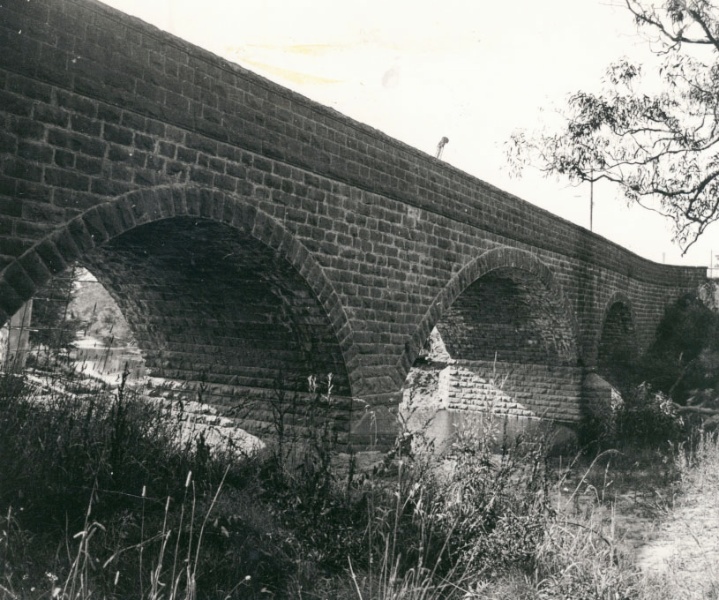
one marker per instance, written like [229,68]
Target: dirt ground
[665,516]
[667,528]
[683,548]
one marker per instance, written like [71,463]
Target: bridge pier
[15,339]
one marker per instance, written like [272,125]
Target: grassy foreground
[104,495]
[683,561]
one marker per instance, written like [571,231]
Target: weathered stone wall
[507,389]
[510,315]
[517,389]
[345,247]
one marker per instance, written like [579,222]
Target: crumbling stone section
[522,389]
[516,390]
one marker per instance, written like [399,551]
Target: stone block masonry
[253,237]
[521,390]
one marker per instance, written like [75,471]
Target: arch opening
[508,315]
[73,324]
[213,306]
[222,317]
[505,345]
[617,351]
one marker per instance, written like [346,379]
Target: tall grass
[687,568]
[97,491]
[107,494]
[101,495]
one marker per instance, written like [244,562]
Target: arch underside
[617,351]
[214,309]
[506,345]
[510,316]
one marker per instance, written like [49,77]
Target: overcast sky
[471,70]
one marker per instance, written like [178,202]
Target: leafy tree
[655,132]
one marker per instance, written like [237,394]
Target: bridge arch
[210,283]
[509,264]
[616,345]
[502,317]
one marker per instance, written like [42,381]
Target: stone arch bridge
[247,232]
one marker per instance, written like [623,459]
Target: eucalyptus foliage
[653,129]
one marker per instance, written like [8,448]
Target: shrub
[649,418]
[685,352]
[106,492]
[500,500]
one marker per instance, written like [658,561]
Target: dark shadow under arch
[616,346]
[293,286]
[521,274]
